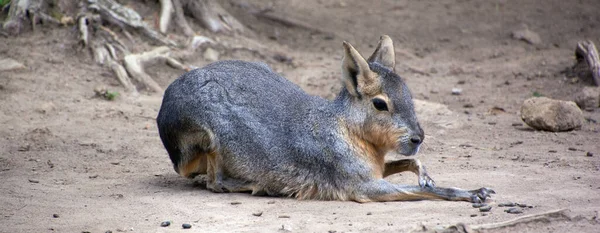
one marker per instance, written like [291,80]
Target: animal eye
[380,104]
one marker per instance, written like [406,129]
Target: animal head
[378,104]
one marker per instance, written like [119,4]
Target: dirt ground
[100,166]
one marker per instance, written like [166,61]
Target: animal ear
[384,53]
[357,76]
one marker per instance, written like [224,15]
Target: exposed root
[122,76]
[586,52]
[21,11]
[180,19]
[134,63]
[166,11]
[120,15]
[212,16]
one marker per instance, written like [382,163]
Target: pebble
[589,154]
[369,213]
[186,226]
[485,208]
[235,203]
[211,54]
[473,215]
[284,216]
[527,35]
[507,204]
[257,214]
[468,106]
[55,216]
[513,211]
[478,205]
[165,224]
[456,91]
[10,64]
[572,149]
[522,205]
[34,181]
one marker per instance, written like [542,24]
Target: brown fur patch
[193,167]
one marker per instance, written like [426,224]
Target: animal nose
[415,139]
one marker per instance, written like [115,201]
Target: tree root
[587,56]
[212,16]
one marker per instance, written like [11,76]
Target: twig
[586,50]
[542,217]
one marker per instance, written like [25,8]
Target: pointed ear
[384,53]
[357,76]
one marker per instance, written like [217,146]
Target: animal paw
[480,195]
[425,181]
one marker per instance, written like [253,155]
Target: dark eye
[380,104]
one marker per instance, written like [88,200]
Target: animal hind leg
[381,190]
[412,165]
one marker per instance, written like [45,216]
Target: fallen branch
[586,51]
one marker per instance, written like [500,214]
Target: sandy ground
[99,165]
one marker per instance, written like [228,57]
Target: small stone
[473,215]
[165,224]
[186,226]
[485,208]
[526,35]
[369,213]
[507,204]
[93,176]
[551,115]
[484,214]
[7,64]
[257,214]
[271,202]
[468,106]
[522,205]
[33,181]
[572,149]
[456,91]
[552,151]
[235,203]
[478,205]
[55,216]
[513,211]
[211,55]
[460,82]
[284,216]
[589,154]
[517,124]
[114,163]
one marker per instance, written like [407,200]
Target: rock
[235,203]
[478,205]
[7,64]
[589,154]
[522,205]
[486,208]
[34,181]
[551,115]
[507,204]
[258,213]
[165,224]
[186,226]
[55,216]
[526,35]
[513,210]
[46,108]
[588,98]
[456,91]
[211,54]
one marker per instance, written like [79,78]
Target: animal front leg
[382,190]
[412,165]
